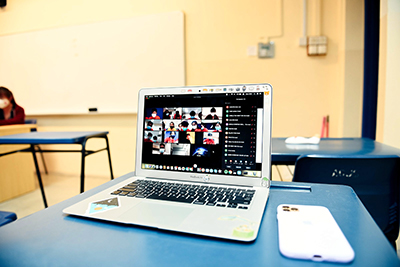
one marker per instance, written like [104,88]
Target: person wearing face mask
[171,138]
[171,126]
[149,138]
[167,114]
[194,126]
[154,115]
[10,112]
[217,127]
[149,126]
[162,149]
[185,125]
[192,114]
[203,128]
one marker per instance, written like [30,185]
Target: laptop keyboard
[195,194]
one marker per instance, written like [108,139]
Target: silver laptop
[203,163]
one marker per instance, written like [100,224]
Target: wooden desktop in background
[17,172]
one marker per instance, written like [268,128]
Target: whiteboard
[101,65]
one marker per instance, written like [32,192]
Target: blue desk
[286,154]
[56,138]
[49,238]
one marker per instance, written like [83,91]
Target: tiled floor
[59,187]
[282,173]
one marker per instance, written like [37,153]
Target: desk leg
[83,166]
[109,158]
[38,175]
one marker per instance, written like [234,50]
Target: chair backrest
[7,217]
[375,179]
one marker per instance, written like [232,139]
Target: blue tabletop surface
[282,152]
[50,238]
[49,137]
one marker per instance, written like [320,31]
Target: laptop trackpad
[156,215]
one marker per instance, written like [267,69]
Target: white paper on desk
[299,140]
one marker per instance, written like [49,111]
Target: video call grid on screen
[213,133]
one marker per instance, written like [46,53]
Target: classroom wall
[388,123]
[217,34]
[382,71]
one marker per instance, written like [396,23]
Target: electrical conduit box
[266,50]
[317,45]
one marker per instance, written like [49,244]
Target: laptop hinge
[266,182]
[197,182]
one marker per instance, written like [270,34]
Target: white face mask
[4,103]
[153,115]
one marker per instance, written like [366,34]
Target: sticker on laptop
[244,230]
[103,205]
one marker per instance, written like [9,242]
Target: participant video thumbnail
[172,113]
[153,125]
[180,149]
[192,113]
[210,138]
[212,113]
[153,136]
[161,149]
[171,137]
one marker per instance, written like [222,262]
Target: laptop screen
[216,131]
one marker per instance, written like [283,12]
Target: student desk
[286,154]
[56,138]
[50,238]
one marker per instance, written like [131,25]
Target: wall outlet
[266,50]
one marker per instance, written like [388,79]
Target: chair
[34,121]
[7,217]
[375,179]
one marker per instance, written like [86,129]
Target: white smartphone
[311,233]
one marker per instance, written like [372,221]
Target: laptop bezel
[206,177]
